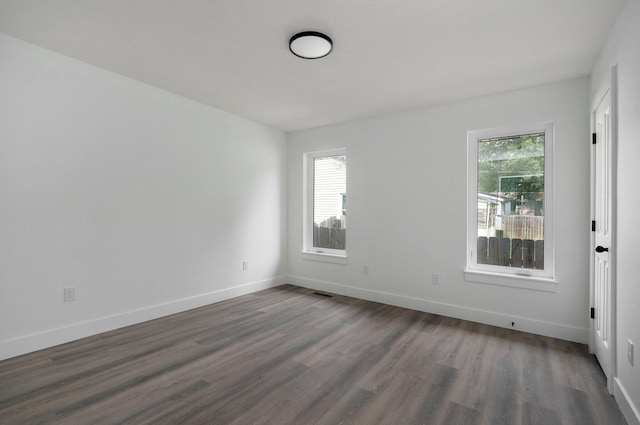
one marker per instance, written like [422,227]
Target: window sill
[324,257]
[534,283]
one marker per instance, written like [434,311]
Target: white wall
[144,201]
[416,164]
[623,49]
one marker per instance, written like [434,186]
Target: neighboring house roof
[493,198]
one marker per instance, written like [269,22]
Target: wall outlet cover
[69,294]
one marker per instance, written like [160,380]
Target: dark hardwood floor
[288,355]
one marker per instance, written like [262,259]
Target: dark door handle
[601,249]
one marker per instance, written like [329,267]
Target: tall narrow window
[510,201]
[326,202]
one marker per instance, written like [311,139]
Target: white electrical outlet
[365,269]
[435,279]
[630,351]
[245,265]
[69,294]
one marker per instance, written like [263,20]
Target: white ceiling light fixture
[310,45]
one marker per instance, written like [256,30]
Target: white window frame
[310,252]
[502,275]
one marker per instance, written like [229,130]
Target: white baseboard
[539,327]
[51,337]
[628,409]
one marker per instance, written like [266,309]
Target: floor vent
[322,294]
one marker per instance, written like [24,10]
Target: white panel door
[602,273]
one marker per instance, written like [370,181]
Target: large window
[510,203]
[326,202]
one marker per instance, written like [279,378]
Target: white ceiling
[389,55]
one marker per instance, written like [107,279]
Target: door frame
[610,83]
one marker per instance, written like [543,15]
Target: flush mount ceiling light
[310,45]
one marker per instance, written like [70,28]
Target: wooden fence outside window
[329,237]
[520,253]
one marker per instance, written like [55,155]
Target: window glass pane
[330,202]
[511,201]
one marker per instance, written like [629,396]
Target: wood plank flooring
[288,355]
